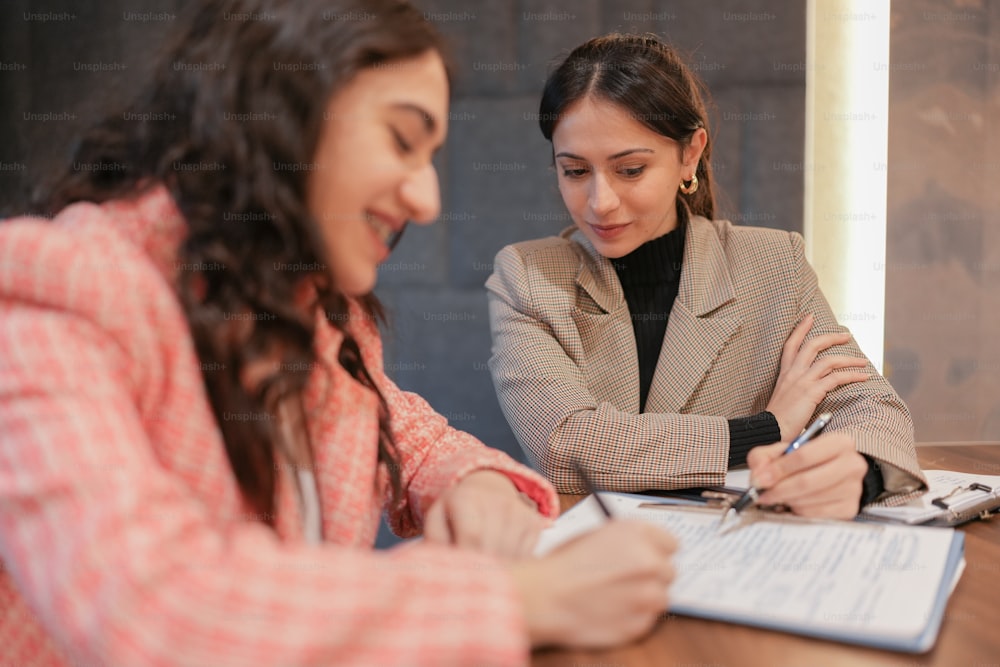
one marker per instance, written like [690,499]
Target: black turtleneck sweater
[650,277]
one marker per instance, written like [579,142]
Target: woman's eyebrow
[623,153]
[430,124]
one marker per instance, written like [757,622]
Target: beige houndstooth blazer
[565,368]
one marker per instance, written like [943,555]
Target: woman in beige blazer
[659,346]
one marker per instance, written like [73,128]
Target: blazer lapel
[608,338]
[343,425]
[596,276]
[697,329]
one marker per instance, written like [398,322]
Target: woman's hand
[804,381]
[604,588]
[821,479]
[484,511]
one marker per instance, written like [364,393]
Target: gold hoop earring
[691,187]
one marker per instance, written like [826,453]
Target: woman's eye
[402,143]
[574,173]
[632,172]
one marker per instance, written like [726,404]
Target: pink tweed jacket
[123,537]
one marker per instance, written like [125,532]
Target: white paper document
[738,479]
[877,584]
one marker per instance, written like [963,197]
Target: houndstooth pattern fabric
[123,536]
[565,368]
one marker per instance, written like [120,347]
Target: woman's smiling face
[373,169]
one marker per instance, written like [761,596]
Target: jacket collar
[705,280]
[699,326]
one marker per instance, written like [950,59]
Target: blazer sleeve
[434,455]
[871,411]
[544,396]
[122,565]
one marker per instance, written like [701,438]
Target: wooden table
[970,631]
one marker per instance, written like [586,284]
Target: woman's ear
[695,147]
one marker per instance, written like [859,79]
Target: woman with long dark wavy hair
[662,346]
[196,434]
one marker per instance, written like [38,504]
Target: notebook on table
[873,584]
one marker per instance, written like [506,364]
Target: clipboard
[952,498]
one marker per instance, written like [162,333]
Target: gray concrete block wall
[78,55]
[548,29]
[16,77]
[772,119]
[502,184]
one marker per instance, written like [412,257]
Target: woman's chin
[609,250]
[357,285]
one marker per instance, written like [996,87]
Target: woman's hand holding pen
[606,587]
[823,480]
[804,381]
[601,589]
[484,511]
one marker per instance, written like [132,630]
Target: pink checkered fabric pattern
[123,536]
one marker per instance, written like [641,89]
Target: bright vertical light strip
[847,141]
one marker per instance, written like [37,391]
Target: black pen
[751,494]
[589,485]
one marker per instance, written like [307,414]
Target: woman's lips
[385,231]
[608,231]
[382,225]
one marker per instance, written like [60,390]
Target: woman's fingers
[759,457]
[805,377]
[791,347]
[486,516]
[834,380]
[506,536]
[436,524]
[833,362]
[810,349]
[822,479]
[600,589]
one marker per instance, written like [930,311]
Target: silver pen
[751,494]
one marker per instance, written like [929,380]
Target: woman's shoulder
[727,231]
[754,258]
[742,243]
[77,246]
[81,263]
[552,255]
[562,245]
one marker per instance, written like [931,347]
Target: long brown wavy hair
[235,103]
[647,78]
